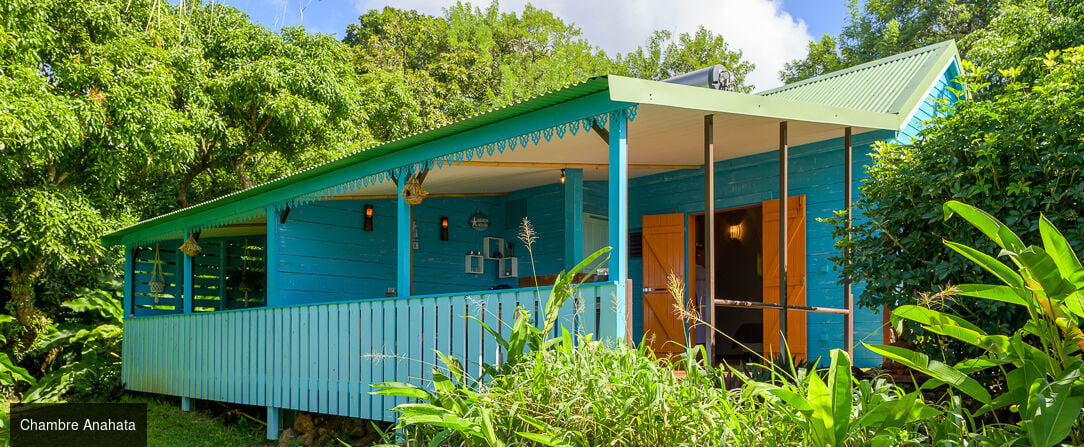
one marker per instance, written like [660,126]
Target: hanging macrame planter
[190,247]
[157,283]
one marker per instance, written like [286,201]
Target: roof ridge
[943,45]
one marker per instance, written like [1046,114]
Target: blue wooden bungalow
[307,289]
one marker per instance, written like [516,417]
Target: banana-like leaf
[929,317]
[896,413]
[987,224]
[1044,270]
[992,265]
[839,383]
[935,369]
[821,421]
[1052,409]
[1059,249]
[1004,294]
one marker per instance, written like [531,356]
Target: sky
[769,32]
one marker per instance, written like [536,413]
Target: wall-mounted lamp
[443,228]
[562,176]
[735,231]
[368,217]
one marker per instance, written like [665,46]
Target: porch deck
[323,358]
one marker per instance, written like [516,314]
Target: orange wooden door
[796,276]
[664,253]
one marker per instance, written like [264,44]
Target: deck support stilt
[274,422]
[186,404]
[619,218]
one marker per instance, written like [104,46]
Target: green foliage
[1039,364]
[881,28]
[1021,33]
[664,57]
[89,345]
[1014,154]
[419,71]
[832,413]
[567,391]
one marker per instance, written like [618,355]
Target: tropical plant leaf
[1042,268]
[1000,270]
[935,369]
[1061,252]
[987,224]
[839,383]
[1053,409]
[401,389]
[930,317]
[1004,294]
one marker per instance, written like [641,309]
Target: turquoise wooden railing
[322,358]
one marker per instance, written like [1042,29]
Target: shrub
[1014,154]
[1039,363]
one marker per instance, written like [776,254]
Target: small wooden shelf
[491,246]
[475,264]
[508,268]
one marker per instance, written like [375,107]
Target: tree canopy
[116,110]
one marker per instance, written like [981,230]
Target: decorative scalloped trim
[405,171]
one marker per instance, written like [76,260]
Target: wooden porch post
[619,218]
[129,271]
[848,298]
[783,218]
[709,233]
[271,258]
[402,244]
[573,216]
[186,276]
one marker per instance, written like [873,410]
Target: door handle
[649,290]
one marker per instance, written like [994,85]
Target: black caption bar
[79,424]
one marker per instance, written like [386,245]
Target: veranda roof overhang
[524,144]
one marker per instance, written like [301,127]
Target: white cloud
[767,35]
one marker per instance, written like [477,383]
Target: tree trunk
[21,288]
[239,169]
[186,182]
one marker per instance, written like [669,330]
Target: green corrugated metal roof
[890,85]
[582,89]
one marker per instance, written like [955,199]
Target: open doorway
[739,276]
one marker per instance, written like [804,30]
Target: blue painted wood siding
[324,357]
[324,254]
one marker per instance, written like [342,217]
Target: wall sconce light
[368,217]
[735,231]
[443,228]
[562,176]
